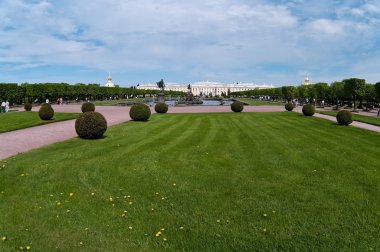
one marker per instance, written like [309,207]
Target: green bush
[308,110]
[161,108]
[46,112]
[90,125]
[139,112]
[28,107]
[88,107]
[289,106]
[344,117]
[237,106]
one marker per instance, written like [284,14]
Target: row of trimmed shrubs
[92,125]
[344,117]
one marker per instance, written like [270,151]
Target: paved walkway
[31,138]
[354,123]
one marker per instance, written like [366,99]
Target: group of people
[4,106]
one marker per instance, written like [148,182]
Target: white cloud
[195,39]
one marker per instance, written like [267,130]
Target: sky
[274,42]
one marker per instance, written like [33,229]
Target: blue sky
[259,41]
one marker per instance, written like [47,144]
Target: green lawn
[356,117]
[255,102]
[20,120]
[207,182]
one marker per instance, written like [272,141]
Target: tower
[307,81]
[109,82]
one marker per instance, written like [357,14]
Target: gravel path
[31,138]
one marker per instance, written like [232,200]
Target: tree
[322,90]
[369,95]
[377,90]
[354,88]
[337,92]
[289,92]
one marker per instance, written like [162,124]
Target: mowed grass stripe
[220,175]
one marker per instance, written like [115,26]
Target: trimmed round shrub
[90,125]
[139,112]
[344,117]
[308,110]
[237,106]
[28,107]
[161,108]
[88,107]
[46,112]
[289,106]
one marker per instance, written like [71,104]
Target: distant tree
[354,88]
[377,90]
[369,95]
[337,91]
[289,92]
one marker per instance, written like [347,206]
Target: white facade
[207,87]
[109,82]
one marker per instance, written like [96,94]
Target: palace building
[207,87]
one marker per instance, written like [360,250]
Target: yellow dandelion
[59,203]
[264,230]
[181,228]
[21,248]
[218,221]
[162,229]
[92,194]
[68,211]
[130,202]
[165,239]
[157,193]
[163,198]
[130,227]
[22,175]
[71,194]
[125,196]
[80,243]
[28,247]
[128,196]
[110,199]
[265,215]
[51,195]
[4,238]
[174,184]
[152,209]
[158,233]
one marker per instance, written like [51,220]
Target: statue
[189,87]
[161,85]
[161,95]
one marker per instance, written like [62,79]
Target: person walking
[6,106]
[3,107]
[378,110]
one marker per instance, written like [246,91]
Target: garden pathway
[354,123]
[31,138]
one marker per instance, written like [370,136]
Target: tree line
[348,90]
[39,92]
